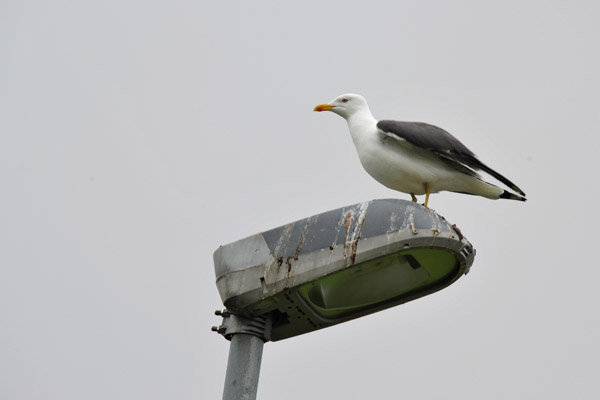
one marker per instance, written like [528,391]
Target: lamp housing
[340,265]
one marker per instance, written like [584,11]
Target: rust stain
[353,252]
[295,256]
[344,220]
[347,242]
[412,226]
[299,248]
[279,264]
[355,244]
[347,221]
[460,235]
[351,242]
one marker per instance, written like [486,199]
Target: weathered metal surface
[254,274]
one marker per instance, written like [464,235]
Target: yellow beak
[324,107]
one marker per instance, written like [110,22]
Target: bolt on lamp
[327,269]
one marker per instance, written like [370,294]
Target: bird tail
[475,163]
[508,195]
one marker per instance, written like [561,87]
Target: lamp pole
[247,338]
[328,269]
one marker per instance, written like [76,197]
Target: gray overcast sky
[136,137]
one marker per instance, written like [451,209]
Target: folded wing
[442,144]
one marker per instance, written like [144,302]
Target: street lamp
[327,269]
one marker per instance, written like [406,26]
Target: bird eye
[344,100]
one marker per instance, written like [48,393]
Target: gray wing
[442,144]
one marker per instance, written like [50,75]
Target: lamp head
[341,265]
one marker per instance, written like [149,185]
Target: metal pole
[243,367]
[247,337]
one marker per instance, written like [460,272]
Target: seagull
[415,157]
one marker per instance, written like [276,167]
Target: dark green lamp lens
[394,276]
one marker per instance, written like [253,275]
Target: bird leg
[427,193]
[413,197]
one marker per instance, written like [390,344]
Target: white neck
[361,124]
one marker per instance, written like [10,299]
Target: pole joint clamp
[232,324]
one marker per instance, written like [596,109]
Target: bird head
[345,105]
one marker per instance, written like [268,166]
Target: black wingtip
[474,162]
[516,189]
[511,196]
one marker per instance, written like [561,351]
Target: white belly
[393,165]
[406,168]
